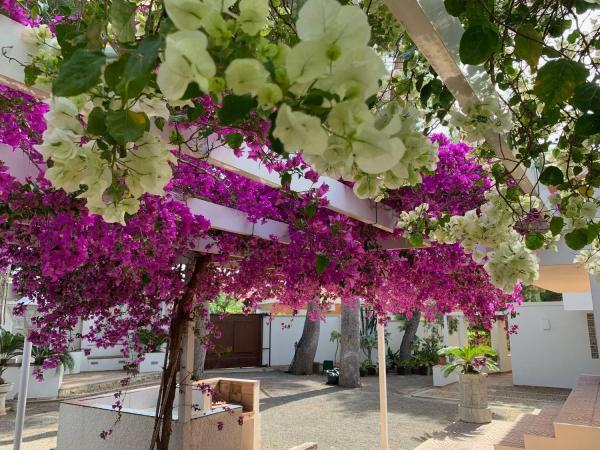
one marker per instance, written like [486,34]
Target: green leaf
[31,73]
[235,109]
[121,17]
[588,125]
[534,241]
[322,263]
[551,176]
[587,97]
[477,44]
[415,240]
[310,210]
[528,44]
[96,122]
[425,93]
[234,140]
[71,36]
[556,225]
[79,73]
[286,178]
[592,232]
[455,7]
[577,239]
[138,67]
[126,126]
[556,80]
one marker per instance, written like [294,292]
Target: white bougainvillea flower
[345,117]
[300,131]
[307,61]
[59,145]
[357,73]
[329,22]
[253,15]
[366,186]
[186,60]
[186,14]
[246,76]
[63,114]
[147,166]
[374,152]
[269,95]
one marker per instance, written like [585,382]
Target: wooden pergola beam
[437,35]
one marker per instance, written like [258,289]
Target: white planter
[473,406]
[48,388]
[153,362]
[439,379]
[77,361]
[4,389]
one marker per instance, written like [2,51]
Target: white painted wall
[552,346]
[283,338]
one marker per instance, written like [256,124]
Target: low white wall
[552,346]
[286,330]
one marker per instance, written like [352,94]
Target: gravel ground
[303,409]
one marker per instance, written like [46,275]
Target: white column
[382,386]
[446,331]
[22,399]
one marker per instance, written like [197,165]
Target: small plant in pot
[367,368]
[11,345]
[403,367]
[471,362]
[333,376]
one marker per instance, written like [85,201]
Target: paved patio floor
[303,409]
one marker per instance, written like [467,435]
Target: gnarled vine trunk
[163,423]
[350,345]
[306,349]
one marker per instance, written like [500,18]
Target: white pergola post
[186,369]
[383,413]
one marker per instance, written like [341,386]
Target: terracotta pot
[4,389]
[473,406]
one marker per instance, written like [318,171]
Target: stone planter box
[440,380]
[473,406]
[82,420]
[48,388]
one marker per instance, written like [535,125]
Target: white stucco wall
[552,346]
[283,338]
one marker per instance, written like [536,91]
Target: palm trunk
[410,331]
[350,345]
[308,343]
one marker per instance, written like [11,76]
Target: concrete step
[537,425]
[582,407]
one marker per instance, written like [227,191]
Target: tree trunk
[307,346]
[201,331]
[164,407]
[410,331]
[350,345]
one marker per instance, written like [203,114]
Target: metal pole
[382,386]
[22,399]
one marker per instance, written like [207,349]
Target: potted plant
[11,345]
[152,344]
[50,385]
[333,376]
[470,362]
[403,367]
[364,368]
